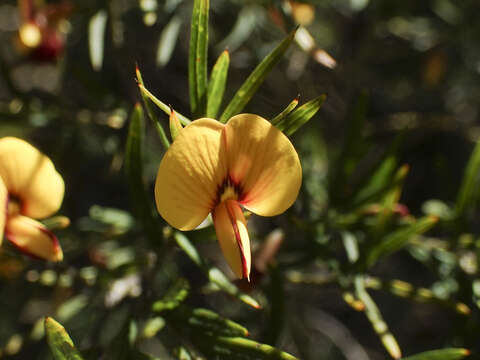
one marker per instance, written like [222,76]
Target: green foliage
[256,78]
[386,218]
[60,343]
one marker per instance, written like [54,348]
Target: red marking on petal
[231,216]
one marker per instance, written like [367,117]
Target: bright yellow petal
[33,238]
[263,163]
[31,177]
[190,174]
[232,234]
[3,208]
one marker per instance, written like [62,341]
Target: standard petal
[31,177]
[3,208]
[232,234]
[190,174]
[263,163]
[33,238]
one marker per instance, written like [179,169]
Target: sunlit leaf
[280,117]
[207,322]
[442,354]
[216,85]
[168,40]
[96,38]
[238,348]
[376,319]
[248,18]
[174,296]
[161,105]
[60,343]
[404,289]
[298,117]
[256,78]
[144,93]
[399,238]
[197,60]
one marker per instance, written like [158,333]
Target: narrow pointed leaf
[168,40]
[175,125]
[161,105]
[216,85]
[238,348]
[96,38]
[197,65]
[292,105]
[60,343]
[218,278]
[406,290]
[256,78]
[465,195]
[150,112]
[389,200]
[174,296]
[442,354]
[293,121]
[374,186]
[376,319]
[134,171]
[399,238]
[207,322]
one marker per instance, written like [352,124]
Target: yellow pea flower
[30,187]
[216,168]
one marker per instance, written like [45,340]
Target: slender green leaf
[376,319]
[174,296]
[218,278]
[153,326]
[168,40]
[208,322]
[197,65]
[161,105]
[293,121]
[216,85]
[399,238]
[151,114]
[374,186]
[256,78]
[442,354]
[469,183]
[96,38]
[188,248]
[134,171]
[60,343]
[389,200]
[292,105]
[404,289]
[238,348]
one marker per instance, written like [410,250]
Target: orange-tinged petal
[232,234]
[263,163]
[33,238]
[190,174]
[30,176]
[3,208]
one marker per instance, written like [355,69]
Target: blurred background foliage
[378,255]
